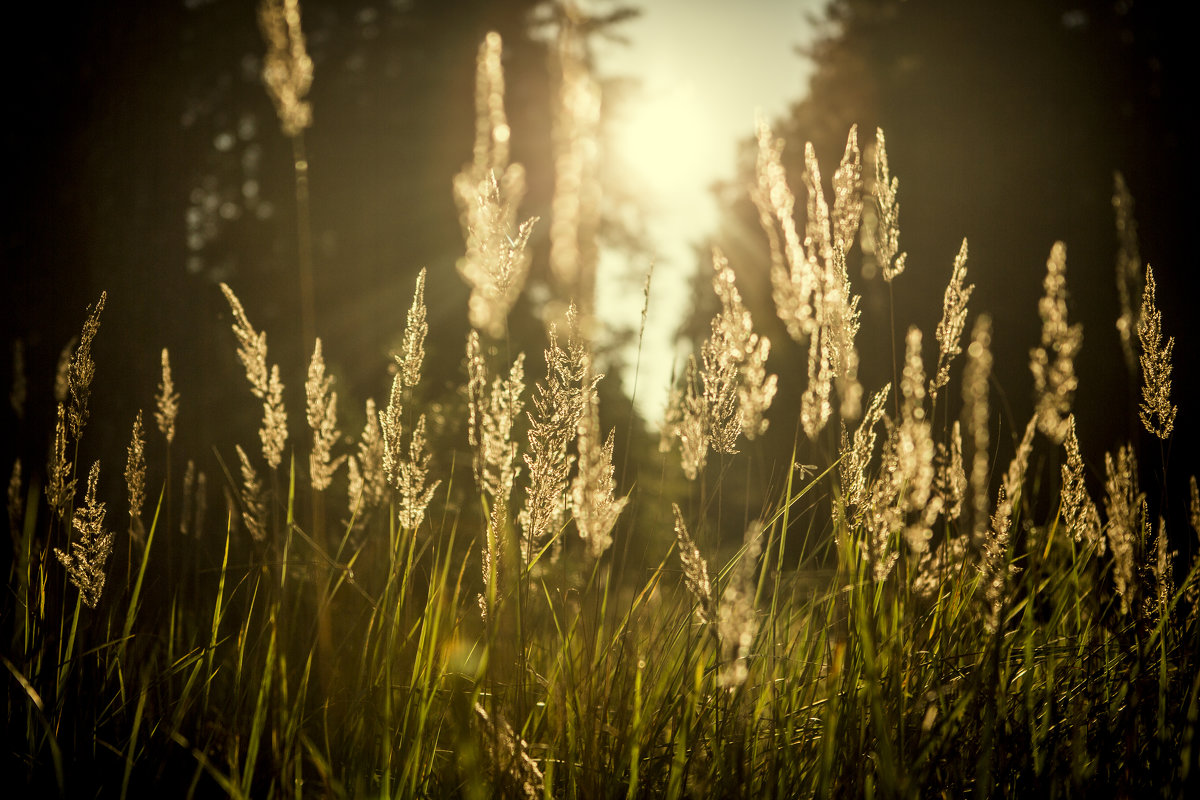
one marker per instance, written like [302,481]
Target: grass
[903,653]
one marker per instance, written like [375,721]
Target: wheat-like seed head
[60,485]
[1156,411]
[1079,512]
[954,320]
[593,506]
[86,562]
[322,420]
[254,499]
[886,236]
[166,401]
[1123,504]
[793,277]
[135,478]
[415,329]
[287,68]
[695,571]
[252,346]
[415,495]
[273,432]
[495,264]
[1053,364]
[558,404]
[1160,575]
[368,483]
[855,455]
[82,370]
[950,482]
[847,194]
[509,755]
[264,384]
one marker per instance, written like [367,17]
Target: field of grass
[354,630]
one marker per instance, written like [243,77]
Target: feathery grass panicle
[60,483]
[495,264]
[840,313]
[86,562]
[493,414]
[509,757]
[20,383]
[16,504]
[855,455]
[273,432]
[1156,411]
[730,391]
[995,567]
[135,478]
[745,349]
[264,384]
[1123,504]
[558,404]
[737,618]
[593,506]
[1053,363]
[408,473]
[367,487]
[1161,577]
[954,320]
[1129,265]
[848,194]
[416,328]
[166,401]
[415,495]
[950,481]
[818,236]
[254,499]
[62,371]
[82,370]
[322,419]
[686,421]
[252,346]
[287,68]
[1079,512]
[695,571]
[793,277]
[882,516]
[885,237]
[408,375]
[975,401]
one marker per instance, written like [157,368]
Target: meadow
[911,617]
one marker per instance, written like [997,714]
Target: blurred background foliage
[146,159]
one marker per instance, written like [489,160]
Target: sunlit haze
[704,68]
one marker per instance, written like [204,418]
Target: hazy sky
[705,66]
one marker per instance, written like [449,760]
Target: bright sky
[706,66]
